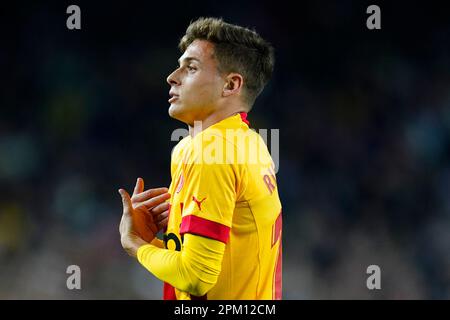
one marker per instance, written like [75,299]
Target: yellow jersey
[224,188]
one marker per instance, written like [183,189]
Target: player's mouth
[171,100]
[173,97]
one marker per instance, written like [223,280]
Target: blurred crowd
[364,172]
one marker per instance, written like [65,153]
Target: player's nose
[172,79]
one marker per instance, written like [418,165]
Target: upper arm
[209,200]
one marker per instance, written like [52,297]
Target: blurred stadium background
[364,119]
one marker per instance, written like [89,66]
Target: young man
[222,237]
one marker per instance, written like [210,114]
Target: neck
[212,119]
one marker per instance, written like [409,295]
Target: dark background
[364,119]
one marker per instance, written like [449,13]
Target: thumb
[126,201]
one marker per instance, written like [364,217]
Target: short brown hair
[237,49]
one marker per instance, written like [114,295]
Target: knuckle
[141,208]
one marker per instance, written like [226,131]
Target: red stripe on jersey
[278,276]
[206,228]
[169,292]
[276,229]
[244,117]
[277,283]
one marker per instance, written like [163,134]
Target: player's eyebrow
[188,59]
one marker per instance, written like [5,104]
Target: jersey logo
[199,203]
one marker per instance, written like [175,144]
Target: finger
[160,208]
[162,224]
[161,216]
[126,201]
[150,193]
[139,187]
[155,201]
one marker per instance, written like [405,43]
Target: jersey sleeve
[209,200]
[194,270]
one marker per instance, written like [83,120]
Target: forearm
[195,269]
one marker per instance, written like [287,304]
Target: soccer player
[222,218]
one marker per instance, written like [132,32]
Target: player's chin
[176,111]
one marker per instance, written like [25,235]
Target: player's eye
[191,68]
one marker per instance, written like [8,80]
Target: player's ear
[233,84]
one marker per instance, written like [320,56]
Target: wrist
[132,244]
